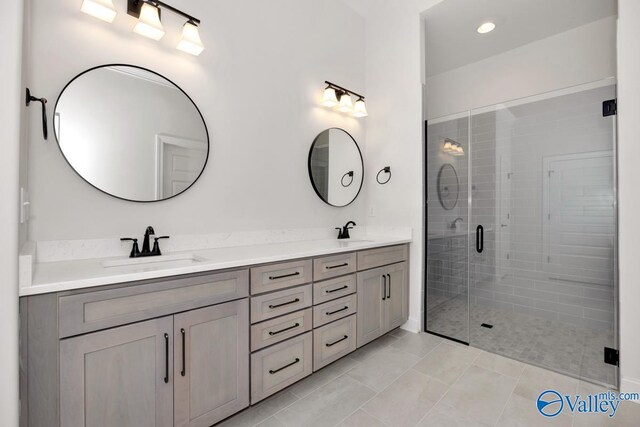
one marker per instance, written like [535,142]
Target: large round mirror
[336,168]
[448,186]
[131,133]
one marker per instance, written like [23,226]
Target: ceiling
[452,40]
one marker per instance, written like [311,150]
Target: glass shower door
[542,280]
[447,272]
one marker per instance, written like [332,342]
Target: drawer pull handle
[284,276]
[184,359]
[329,313]
[284,303]
[166,358]
[331,344]
[272,333]
[331,267]
[389,286]
[336,290]
[274,371]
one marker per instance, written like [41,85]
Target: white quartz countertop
[77,274]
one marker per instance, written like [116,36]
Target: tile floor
[573,350]
[404,379]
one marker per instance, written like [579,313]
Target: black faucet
[343,232]
[146,251]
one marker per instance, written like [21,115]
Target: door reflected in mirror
[131,133]
[336,167]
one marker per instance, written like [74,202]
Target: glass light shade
[346,105]
[190,42]
[149,24]
[360,109]
[329,99]
[101,9]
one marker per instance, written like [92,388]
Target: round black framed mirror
[336,167]
[131,133]
[448,186]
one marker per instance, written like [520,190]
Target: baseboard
[412,325]
[630,385]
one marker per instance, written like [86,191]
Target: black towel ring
[29,99]
[386,169]
[350,174]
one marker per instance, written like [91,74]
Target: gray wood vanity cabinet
[195,349]
[160,352]
[383,299]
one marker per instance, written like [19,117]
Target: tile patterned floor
[559,346]
[404,379]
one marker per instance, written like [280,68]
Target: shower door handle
[479,239]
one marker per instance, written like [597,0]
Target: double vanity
[133,342]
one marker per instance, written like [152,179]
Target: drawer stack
[335,306]
[303,317]
[281,324]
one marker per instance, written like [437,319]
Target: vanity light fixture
[340,98]
[487,27]
[149,24]
[101,9]
[452,147]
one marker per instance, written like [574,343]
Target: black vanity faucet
[146,251]
[344,231]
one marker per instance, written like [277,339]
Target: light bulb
[346,105]
[190,42]
[448,147]
[329,99]
[360,109]
[487,27]
[149,24]
[101,9]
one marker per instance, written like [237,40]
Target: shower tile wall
[523,136]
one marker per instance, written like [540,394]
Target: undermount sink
[351,241]
[178,260]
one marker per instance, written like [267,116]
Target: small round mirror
[336,167]
[448,186]
[131,133]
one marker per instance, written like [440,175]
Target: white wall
[11,25]
[258,84]
[394,126]
[629,197]
[581,55]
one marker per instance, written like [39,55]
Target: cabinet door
[211,363]
[371,305]
[118,377]
[397,302]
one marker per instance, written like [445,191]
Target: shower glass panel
[447,169]
[541,273]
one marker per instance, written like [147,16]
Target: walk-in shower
[521,229]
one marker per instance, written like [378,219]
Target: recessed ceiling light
[487,27]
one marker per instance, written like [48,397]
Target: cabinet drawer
[333,341]
[382,256]
[279,329]
[334,288]
[334,310]
[265,307]
[91,311]
[279,276]
[281,365]
[332,266]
